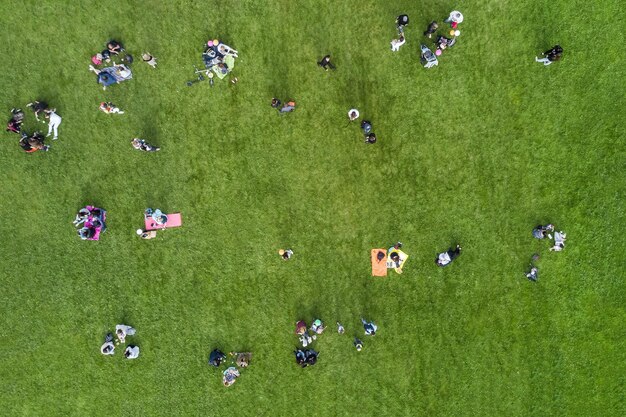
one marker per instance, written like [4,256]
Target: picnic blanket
[391,264]
[230,63]
[112,75]
[173,220]
[379,267]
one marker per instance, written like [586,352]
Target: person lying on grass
[450,255]
[142,145]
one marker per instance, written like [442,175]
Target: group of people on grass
[219,58]
[90,222]
[35,141]
[110,342]
[442,41]
[542,232]
[237,361]
[306,355]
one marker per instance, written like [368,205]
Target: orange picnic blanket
[379,268]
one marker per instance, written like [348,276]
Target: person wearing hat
[285,254]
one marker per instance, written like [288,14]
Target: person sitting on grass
[286,254]
[366,127]
[540,232]
[230,376]
[370,138]
[397,43]
[358,344]
[444,42]
[450,255]
[242,359]
[144,146]
[300,357]
[149,59]
[318,327]
[114,47]
[131,352]
[156,215]
[532,274]
[432,28]
[33,143]
[311,357]
[108,348]
[15,123]
[86,233]
[122,330]
[369,327]
[81,216]
[216,357]
[300,327]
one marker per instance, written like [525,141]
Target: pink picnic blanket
[173,220]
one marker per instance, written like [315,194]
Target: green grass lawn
[478,150]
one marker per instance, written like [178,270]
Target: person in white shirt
[397,43]
[444,258]
[455,18]
[122,330]
[353,114]
[559,242]
[131,352]
[55,121]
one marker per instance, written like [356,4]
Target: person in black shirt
[552,55]
[326,64]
